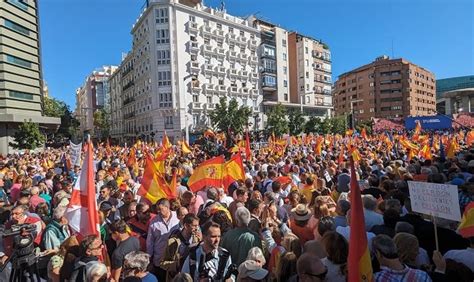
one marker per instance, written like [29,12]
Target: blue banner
[429,122]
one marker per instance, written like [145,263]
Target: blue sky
[81,35]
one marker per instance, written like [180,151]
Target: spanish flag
[466,228]
[452,149]
[154,185]
[132,158]
[185,147]
[166,142]
[233,170]
[417,132]
[470,138]
[208,173]
[425,152]
[359,264]
[363,134]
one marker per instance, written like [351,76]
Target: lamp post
[352,111]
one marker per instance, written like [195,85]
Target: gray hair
[95,269]
[405,227]
[182,277]
[369,202]
[385,245]
[256,254]
[137,260]
[59,212]
[242,216]
[426,170]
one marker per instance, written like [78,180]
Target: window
[164,78]
[195,98]
[285,70]
[209,99]
[307,87]
[371,84]
[231,29]
[285,83]
[18,61]
[269,65]
[242,33]
[284,56]
[219,26]
[162,36]
[17,27]
[192,19]
[283,42]
[269,80]
[19,3]
[168,122]
[163,57]
[20,95]
[306,50]
[371,110]
[285,97]
[161,15]
[307,63]
[268,51]
[166,100]
[307,99]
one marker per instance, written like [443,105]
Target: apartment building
[310,75]
[21,87]
[93,95]
[185,57]
[385,88]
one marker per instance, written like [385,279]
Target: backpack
[79,272]
[224,256]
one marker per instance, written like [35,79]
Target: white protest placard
[440,200]
[75,153]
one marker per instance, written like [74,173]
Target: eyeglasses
[321,276]
[96,248]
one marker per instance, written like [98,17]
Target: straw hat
[301,213]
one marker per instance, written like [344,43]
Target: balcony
[208,68]
[221,89]
[207,49]
[233,55]
[193,47]
[242,40]
[129,115]
[253,44]
[128,100]
[128,85]
[269,86]
[256,109]
[219,33]
[320,80]
[233,73]
[196,87]
[195,67]
[254,76]
[219,51]
[220,70]
[209,88]
[245,91]
[254,92]
[234,90]
[244,74]
[210,106]
[268,70]
[206,30]
[253,60]
[192,27]
[232,37]
[196,106]
[243,57]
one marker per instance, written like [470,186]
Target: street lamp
[352,111]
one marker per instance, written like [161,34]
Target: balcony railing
[128,85]
[128,100]
[192,27]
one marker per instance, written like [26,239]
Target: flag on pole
[208,173]
[185,147]
[154,185]
[466,228]
[359,263]
[233,170]
[82,210]
[248,152]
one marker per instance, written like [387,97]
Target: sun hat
[301,212]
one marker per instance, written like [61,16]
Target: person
[250,271]
[240,240]
[90,250]
[337,249]
[300,217]
[125,245]
[256,254]
[287,267]
[371,217]
[140,222]
[158,233]
[179,243]
[70,247]
[127,200]
[346,231]
[240,201]
[96,272]
[391,268]
[256,208]
[465,256]
[341,211]
[310,268]
[208,261]
[56,231]
[136,264]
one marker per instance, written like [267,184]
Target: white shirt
[463,256]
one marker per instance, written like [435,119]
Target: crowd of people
[261,228]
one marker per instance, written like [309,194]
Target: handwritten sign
[439,200]
[75,153]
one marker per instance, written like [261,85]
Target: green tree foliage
[55,108]
[276,121]
[296,122]
[312,125]
[365,123]
[28,136]
[101,123]
[338,125]
[230,115]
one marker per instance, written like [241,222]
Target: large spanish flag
[209,173]
[233,170]
[154,185]
[359,264]
[466,228]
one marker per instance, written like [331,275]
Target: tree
[313,125]
[326,126]
[295,122]
[56,108]
[101,123]
[276,120]
[53,107]
[365,123]
[230,116]
[28,136]
[338,125]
